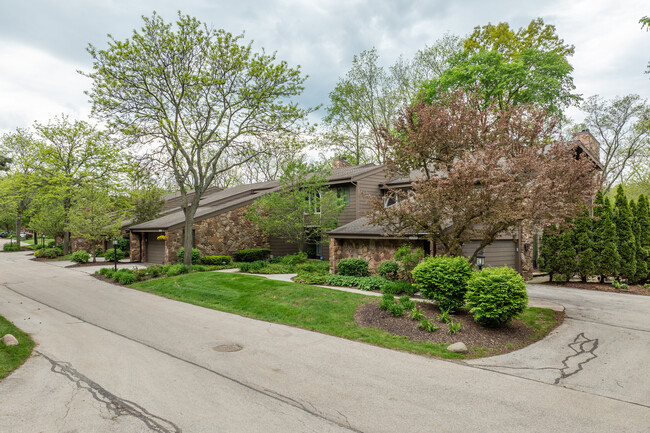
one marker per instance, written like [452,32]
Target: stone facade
[136,246]
[374,251]
[219,235]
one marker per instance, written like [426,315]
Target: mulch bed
[479,340]
[635,290]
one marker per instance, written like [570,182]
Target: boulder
[9,340]
[457,347]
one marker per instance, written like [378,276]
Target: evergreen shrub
[353,267]
[496,295]
[444,279]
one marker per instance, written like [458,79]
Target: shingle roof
[361,226]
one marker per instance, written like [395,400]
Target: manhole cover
[228,348]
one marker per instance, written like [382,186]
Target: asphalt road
[111,359]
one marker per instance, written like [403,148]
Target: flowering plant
[161,238]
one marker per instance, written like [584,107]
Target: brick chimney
[340,162]
[588,142]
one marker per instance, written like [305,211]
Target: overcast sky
[43,43]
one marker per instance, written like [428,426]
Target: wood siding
[155,249]
[498,253]
[369,185]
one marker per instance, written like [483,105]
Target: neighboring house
[221,228]
[517,249]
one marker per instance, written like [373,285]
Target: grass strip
[11,357]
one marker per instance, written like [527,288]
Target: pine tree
[624,230]
[584,245]
[642,235]
[567,256]
[548,254]
[605,239]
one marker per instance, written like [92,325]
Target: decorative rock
[457,347]
[9,340]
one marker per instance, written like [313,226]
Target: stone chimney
[340,162]
[588,142]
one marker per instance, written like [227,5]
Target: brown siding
[369,185]
[280,247]
[498,253]
[349,212]
[155,249]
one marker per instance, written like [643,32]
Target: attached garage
[155,249]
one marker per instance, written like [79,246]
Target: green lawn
[310,307]
[12,356]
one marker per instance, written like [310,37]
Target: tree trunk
[188,238]
[66,243]
[19,219]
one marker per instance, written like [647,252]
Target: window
[314,204]
[344,193]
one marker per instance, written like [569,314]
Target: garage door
[155,249]
[498,253]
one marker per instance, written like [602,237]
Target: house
[220,225]
[517,249]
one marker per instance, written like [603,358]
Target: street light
[115,252]
[480,261]
[43,239]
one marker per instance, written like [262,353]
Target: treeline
[614,242]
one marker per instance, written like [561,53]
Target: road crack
[115,405]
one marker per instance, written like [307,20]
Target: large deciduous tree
[480,172]
[202,100]
[508,67]
[622,126]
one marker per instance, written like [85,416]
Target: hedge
[252,255]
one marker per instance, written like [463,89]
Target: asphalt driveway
[114,359]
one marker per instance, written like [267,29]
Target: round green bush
[388,269]
[353,267]
[196,256]
[444,279]
[80,257]
[11,247]
[154,271]
[496,295]
[110,254]
[124,276]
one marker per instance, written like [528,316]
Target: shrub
[386,301]
[343,280]
[252,255]
[398,287]
[444,279]
[275,268]
[196,255]
[253,267]
[198,268]
[50,253]
[110,254]
[294,259]
[496,295]
[51,244]
[408,257]
[104,271]
[372,283]
[38,247]
[396,310]
[178,269]
[99,251]
[80,257]
[314,266]
[311,278]
[154,271]
[10,247]
[124,276]
[215,260]
[388,269]
[353,267]
[140,274]
[407,303]
[124,244]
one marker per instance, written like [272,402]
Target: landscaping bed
[528,327]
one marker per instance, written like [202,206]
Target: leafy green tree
[626,245]
[549,251]
[74,154]
[605,239]
[302,211]
[642,237]
[147,204]
[508,67]
[49,217]
[18,188]
[205,102]
[4,163]
[583,240]
[94,217]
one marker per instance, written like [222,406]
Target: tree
[642,236]
[49,217]
[19,187]
[482,172]
[605,239]
[622,126]
[626,245]
[507,67]
[94,217]
[4,163]
[302,211]
[203,102]
[548,255]
[645,22]
[74,154]
[566,256]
